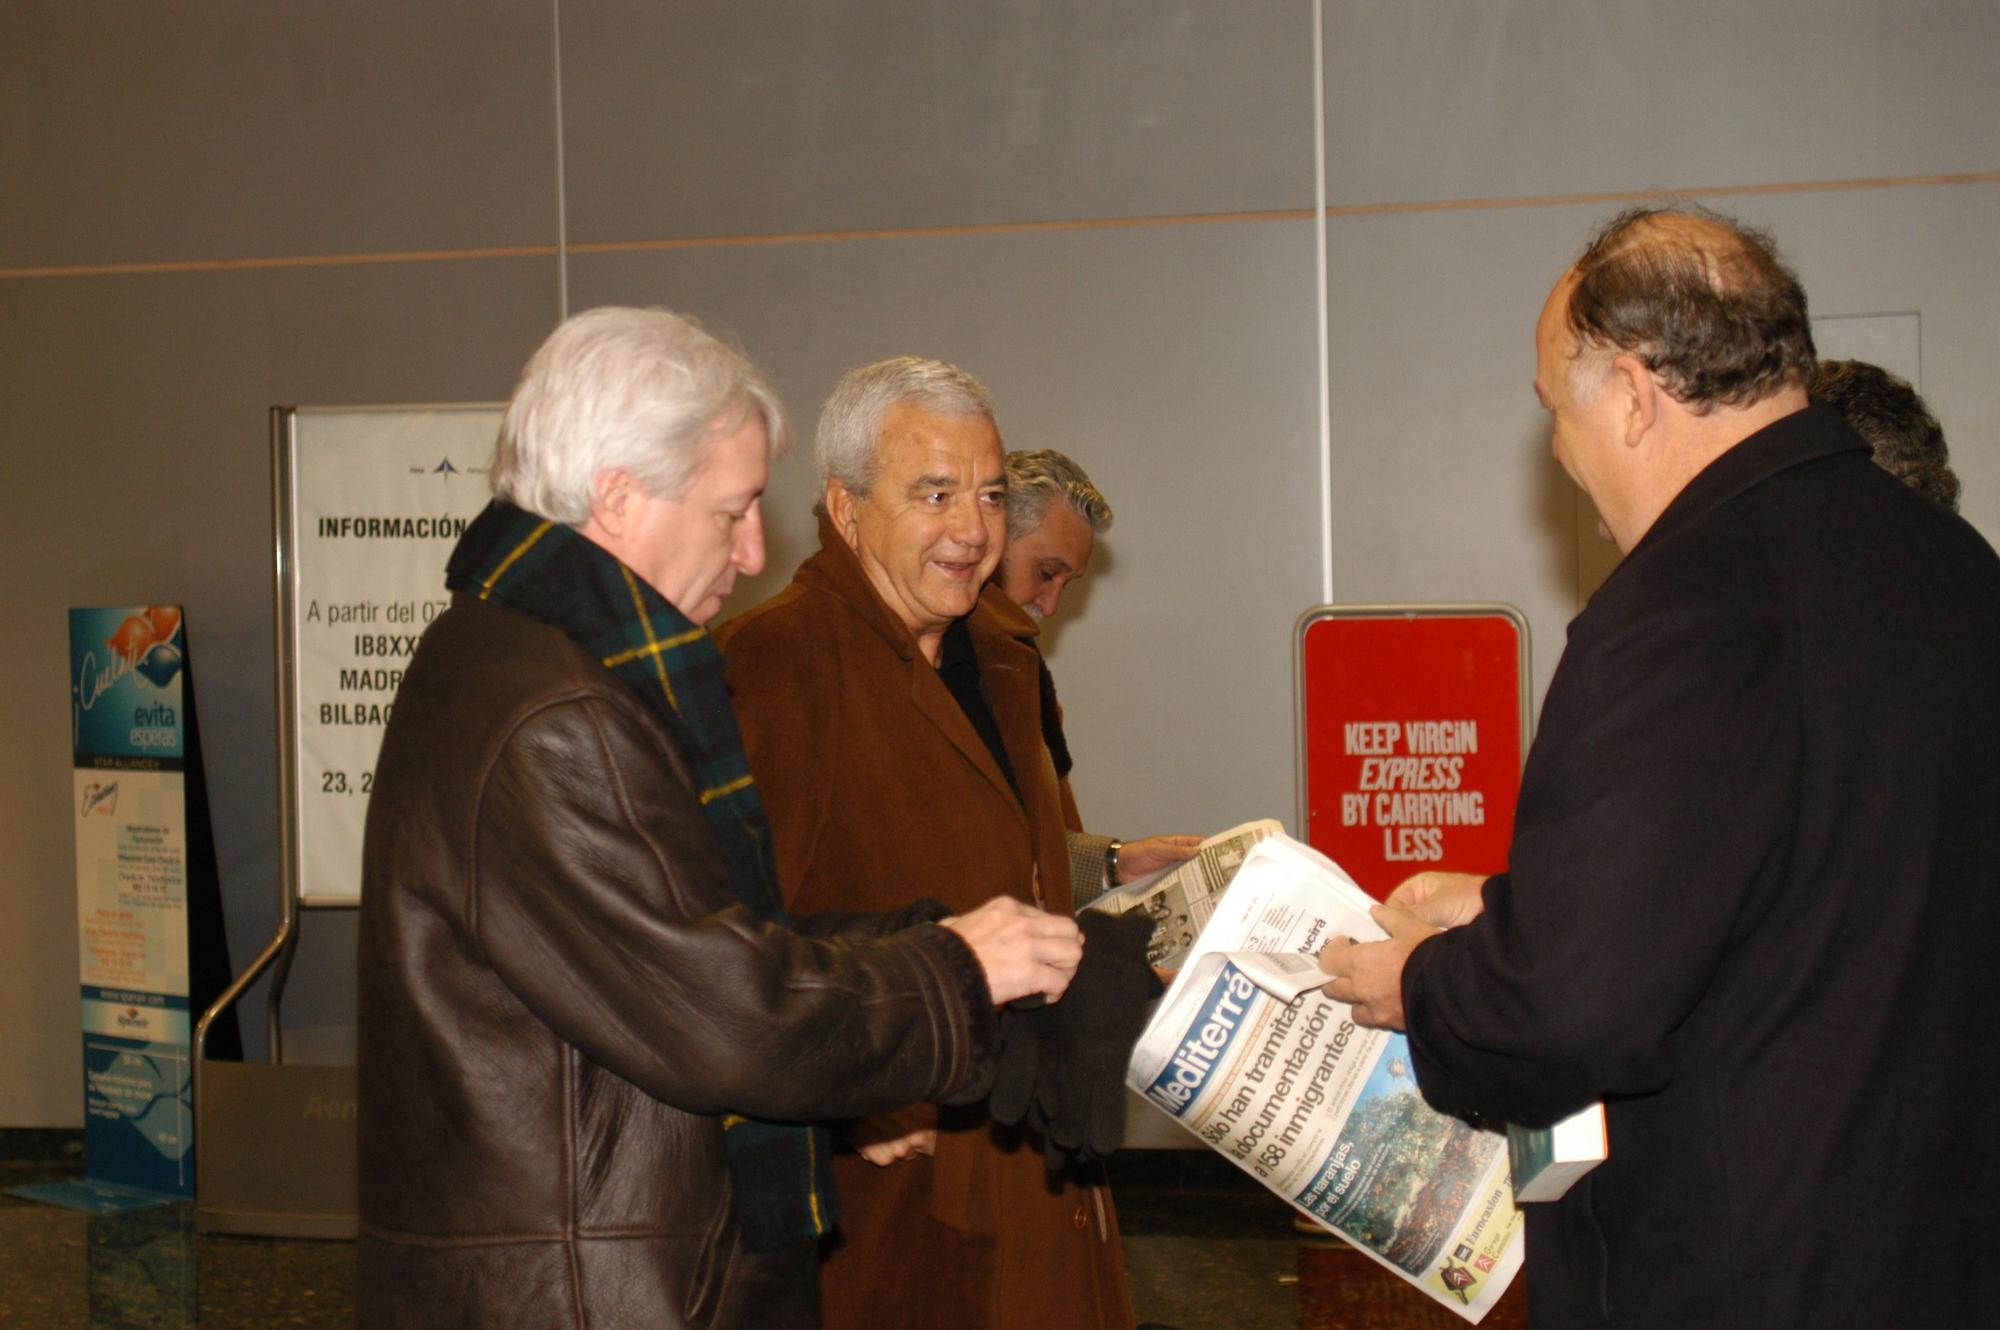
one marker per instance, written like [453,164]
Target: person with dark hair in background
[1885,410]
[1054,516]
[1749,903]
[592,1039]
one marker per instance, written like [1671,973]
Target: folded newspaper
[1248,1053]
[1179,900]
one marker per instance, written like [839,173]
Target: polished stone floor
[1205,1250]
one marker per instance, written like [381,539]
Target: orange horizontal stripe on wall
[1000,228]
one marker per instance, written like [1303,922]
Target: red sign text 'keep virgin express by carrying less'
[1413,734]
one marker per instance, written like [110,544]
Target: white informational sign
[371,503]
[131,920]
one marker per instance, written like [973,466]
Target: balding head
[1703,302]
[1676,336]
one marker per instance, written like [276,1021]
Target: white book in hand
[1547,1160]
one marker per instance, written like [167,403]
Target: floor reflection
[147,1269]
[1205,1250]
[140,1269]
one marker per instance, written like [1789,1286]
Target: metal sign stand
[385,489]
[278,1154]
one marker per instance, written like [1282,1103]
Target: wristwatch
[1111,862]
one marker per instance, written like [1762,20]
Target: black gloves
[1062,1064]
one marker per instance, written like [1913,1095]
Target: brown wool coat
[879,791]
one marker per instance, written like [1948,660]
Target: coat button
[1081,1218]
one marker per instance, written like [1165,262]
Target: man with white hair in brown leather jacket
[592,1040]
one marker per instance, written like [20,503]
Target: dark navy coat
[1753,903]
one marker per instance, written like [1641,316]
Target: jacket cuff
[972,1076]
[1433,1081]
[852,924]
[1087,854]
[929,910]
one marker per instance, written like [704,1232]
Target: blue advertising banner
[130,739]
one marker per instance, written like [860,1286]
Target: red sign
[1412,721]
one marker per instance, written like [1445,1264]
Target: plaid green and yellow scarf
[546,571]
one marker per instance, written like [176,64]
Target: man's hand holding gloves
[1062,1064]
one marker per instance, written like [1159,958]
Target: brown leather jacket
[559,1002]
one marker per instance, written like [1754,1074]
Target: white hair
[851,421]
[1038,478]
[643,390]
[1589,370]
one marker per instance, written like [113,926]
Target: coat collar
[836,571]
[1804,436]
[1003,639]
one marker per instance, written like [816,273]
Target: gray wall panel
[236,128]
[724,117]
[1921,251]
[1438,99]
[1443,485]
[1176,364]
[134,413]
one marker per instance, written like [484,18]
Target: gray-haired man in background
[1049,544]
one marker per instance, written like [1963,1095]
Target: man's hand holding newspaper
[1250,1054]
[1441,899]
[1368,976]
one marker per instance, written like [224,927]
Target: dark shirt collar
[957,652]
[958,667]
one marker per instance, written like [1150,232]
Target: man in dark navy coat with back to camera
[1751,897]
